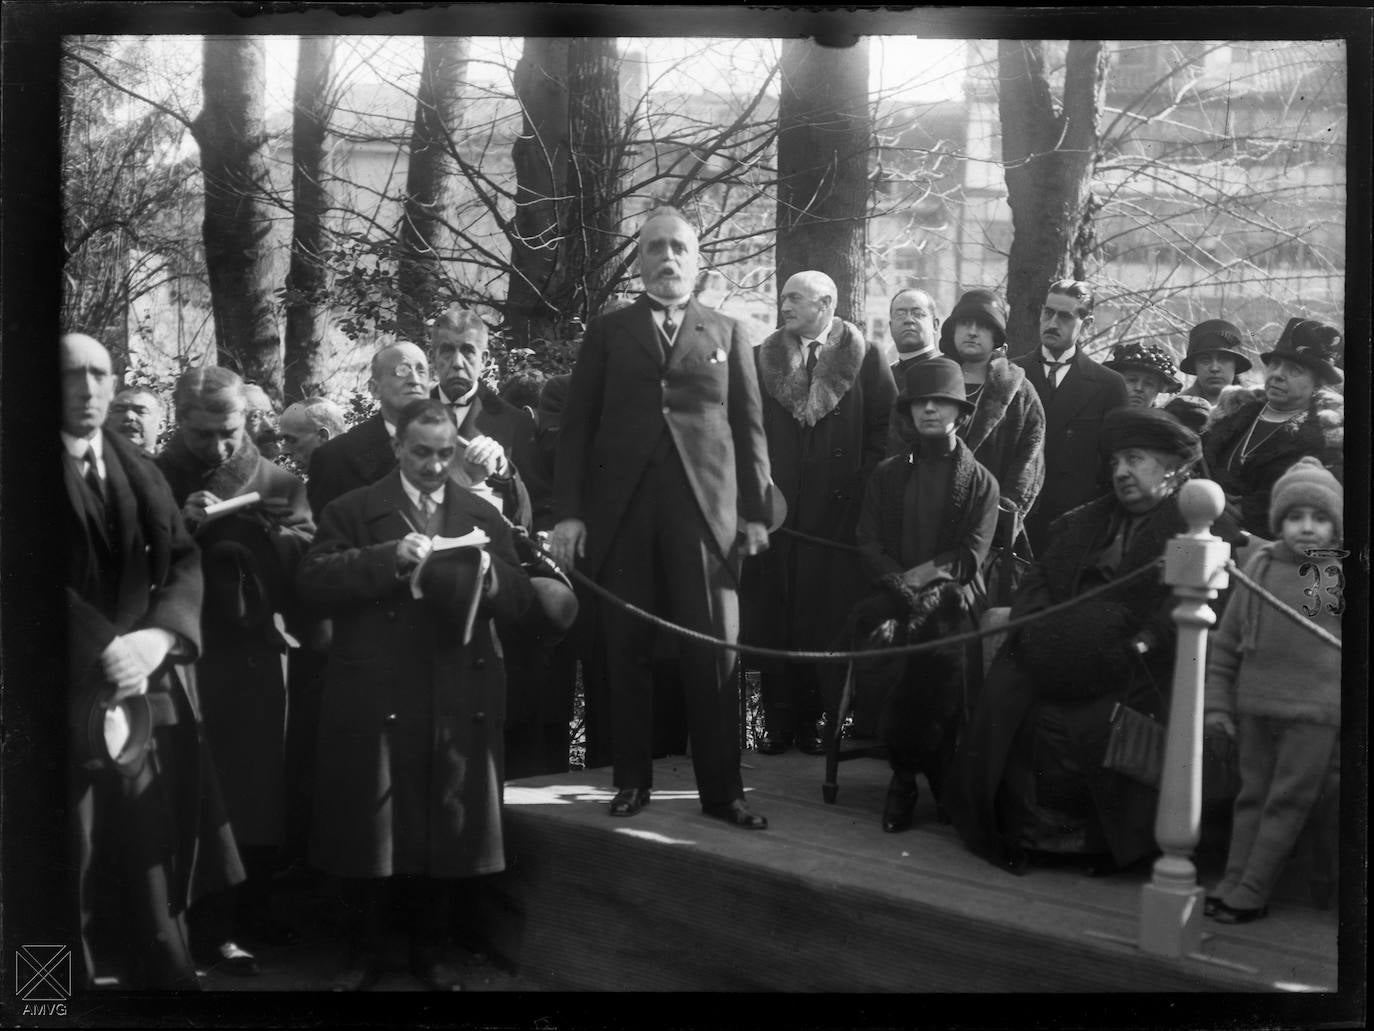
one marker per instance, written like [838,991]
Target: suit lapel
[470,428]
[457,518]
[692,338]
[646,332]
[387,509]
[1074,391]
[133,564]
[377,458]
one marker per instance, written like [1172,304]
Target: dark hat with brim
[934,377]
[981,306]
[1147,358]
[111,734]
[1153,429]
[553,591]
[1214,335]
[1311,344]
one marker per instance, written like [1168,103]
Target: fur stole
[1003,381]
[1327,413]
[782,371]
[186,473]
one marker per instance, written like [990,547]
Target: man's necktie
[669,326]
[811,358]
[1052,375]
[92,475]
[427,510]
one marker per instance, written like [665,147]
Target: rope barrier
[837,545]
[847,656]
[1276,603]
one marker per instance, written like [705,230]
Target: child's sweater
[1260,663]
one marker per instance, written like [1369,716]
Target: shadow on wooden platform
[825,901]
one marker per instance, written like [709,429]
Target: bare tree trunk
[594,110]
[306,283]
[542,155]
[567,196]
[824,136]
[431,185]
[1049,152]
[231,132]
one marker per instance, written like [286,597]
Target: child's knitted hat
[1307,482]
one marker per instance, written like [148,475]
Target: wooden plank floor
[825,901]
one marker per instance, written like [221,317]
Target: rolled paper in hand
[222,508]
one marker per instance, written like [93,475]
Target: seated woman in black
[926,524]
[1028,781]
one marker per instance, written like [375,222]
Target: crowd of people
[339,666]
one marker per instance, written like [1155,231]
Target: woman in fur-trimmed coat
[826,433]
[1247,474]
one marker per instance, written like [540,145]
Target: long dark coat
[825,438]
[1077,665]
[1320,433]
[354,459]
[621,397]
[249,563]
[1075,472]
[1007,433]
[149,576]
[409,770]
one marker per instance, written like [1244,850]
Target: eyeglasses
[402,370]
[898,314]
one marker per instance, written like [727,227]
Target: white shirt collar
[462,402]
[413,492]
[1067,356]
[76,446]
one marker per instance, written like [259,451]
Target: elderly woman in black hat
[1254,435]
[1148,370]
[1028,782]
[924,531]
[1006,430]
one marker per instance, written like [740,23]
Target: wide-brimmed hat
[109,734]
[982,306]
[1150,358]
[1150,428]
[1311,344]
[1214,335]
[935,377]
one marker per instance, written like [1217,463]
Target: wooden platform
[825,901]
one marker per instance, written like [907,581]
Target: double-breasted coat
[409,763]
[826,434]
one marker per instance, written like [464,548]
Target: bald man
[134,592]
[308,424]
[827,396]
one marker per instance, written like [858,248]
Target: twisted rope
[1283,608]
[848,656]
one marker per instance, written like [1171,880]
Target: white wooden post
[1195,566]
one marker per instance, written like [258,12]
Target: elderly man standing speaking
[827,396]
[662,462]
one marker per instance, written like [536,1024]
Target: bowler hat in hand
[935,377]
[110,734]
[1311,344]
[451,582]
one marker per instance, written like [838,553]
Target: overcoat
[148,576]
[825,438]
[1320,433]
[512,427]
[621,396]
[1007,432]
[1074,667]
[1075,472]
[409,763]
[248,563]
[353,459]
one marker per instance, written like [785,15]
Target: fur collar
[187,474]
[782,371]
[1238,405]
[1003,380]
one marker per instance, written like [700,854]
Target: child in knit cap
[1276,688]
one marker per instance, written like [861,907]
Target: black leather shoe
[363,971]
[811,739]
[1230,915]
[629,801]
[771,743]
[227,958]
[899,808]
[737,814]
[1209,905]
